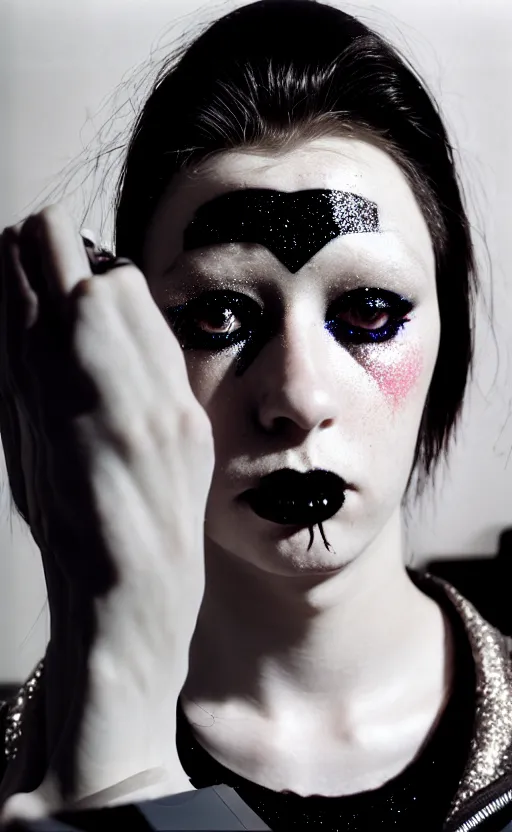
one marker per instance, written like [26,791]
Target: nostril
[284,429]
[282,424]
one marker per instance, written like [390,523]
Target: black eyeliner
[183,316]
[256,327]
[380,300]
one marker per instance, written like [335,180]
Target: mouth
[291,498]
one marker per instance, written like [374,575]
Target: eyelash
[183,318]
[373,300]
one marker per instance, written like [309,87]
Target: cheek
[204,376]
[397,372]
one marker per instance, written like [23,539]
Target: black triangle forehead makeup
[292,225]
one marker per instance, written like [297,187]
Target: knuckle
[126,278]
[96,292]
[84,288]
[40,224]
[90,308]
[11,233]
[194,424]
[50,213]
[174,427]
[44,219]
[129,435]
[161,431]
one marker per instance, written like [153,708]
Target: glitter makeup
[395,369]
[293,226]
[349,319]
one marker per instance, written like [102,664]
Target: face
[301,286]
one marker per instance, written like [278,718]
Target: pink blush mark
[397,373]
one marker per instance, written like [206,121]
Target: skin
[320,671]
[114,477]
[293,226]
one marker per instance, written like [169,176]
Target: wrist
[151,784]
[48,799]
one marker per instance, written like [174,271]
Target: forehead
[338,164]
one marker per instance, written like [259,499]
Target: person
[212,435]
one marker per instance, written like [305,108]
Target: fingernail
[105,261]
[89,237]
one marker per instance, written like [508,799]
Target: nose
[297,387]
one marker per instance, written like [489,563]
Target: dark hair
[276,71]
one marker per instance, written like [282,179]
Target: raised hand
[110,459]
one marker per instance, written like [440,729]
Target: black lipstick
[291,498]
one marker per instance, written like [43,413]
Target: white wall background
[59,63]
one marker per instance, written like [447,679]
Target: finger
[18,301]
[54,259]
[89,237]
[157,345]
[53,254]
[105,351]
[102,260]
[18,311]
[12,444]
[23,806]
[25,345]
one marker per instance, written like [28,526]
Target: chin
[297,561]
[292,556]
[283,550]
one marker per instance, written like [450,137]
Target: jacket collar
[490,756]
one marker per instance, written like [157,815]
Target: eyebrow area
[294,225]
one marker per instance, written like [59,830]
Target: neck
[272,640]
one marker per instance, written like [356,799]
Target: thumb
[28,806]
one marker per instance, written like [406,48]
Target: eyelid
[242,305]
[239,300]
[355,283]
[391,299]
[193,290]
[252,316]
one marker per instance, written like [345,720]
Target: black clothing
[418,798]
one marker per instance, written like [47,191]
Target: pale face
[335,382]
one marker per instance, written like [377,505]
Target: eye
[221,321]
[214,320]
[367,316]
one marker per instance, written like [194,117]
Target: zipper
[485,812]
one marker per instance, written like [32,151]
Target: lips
[291,498]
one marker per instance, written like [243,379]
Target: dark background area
[486,582]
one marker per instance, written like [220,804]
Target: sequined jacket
[483,801]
